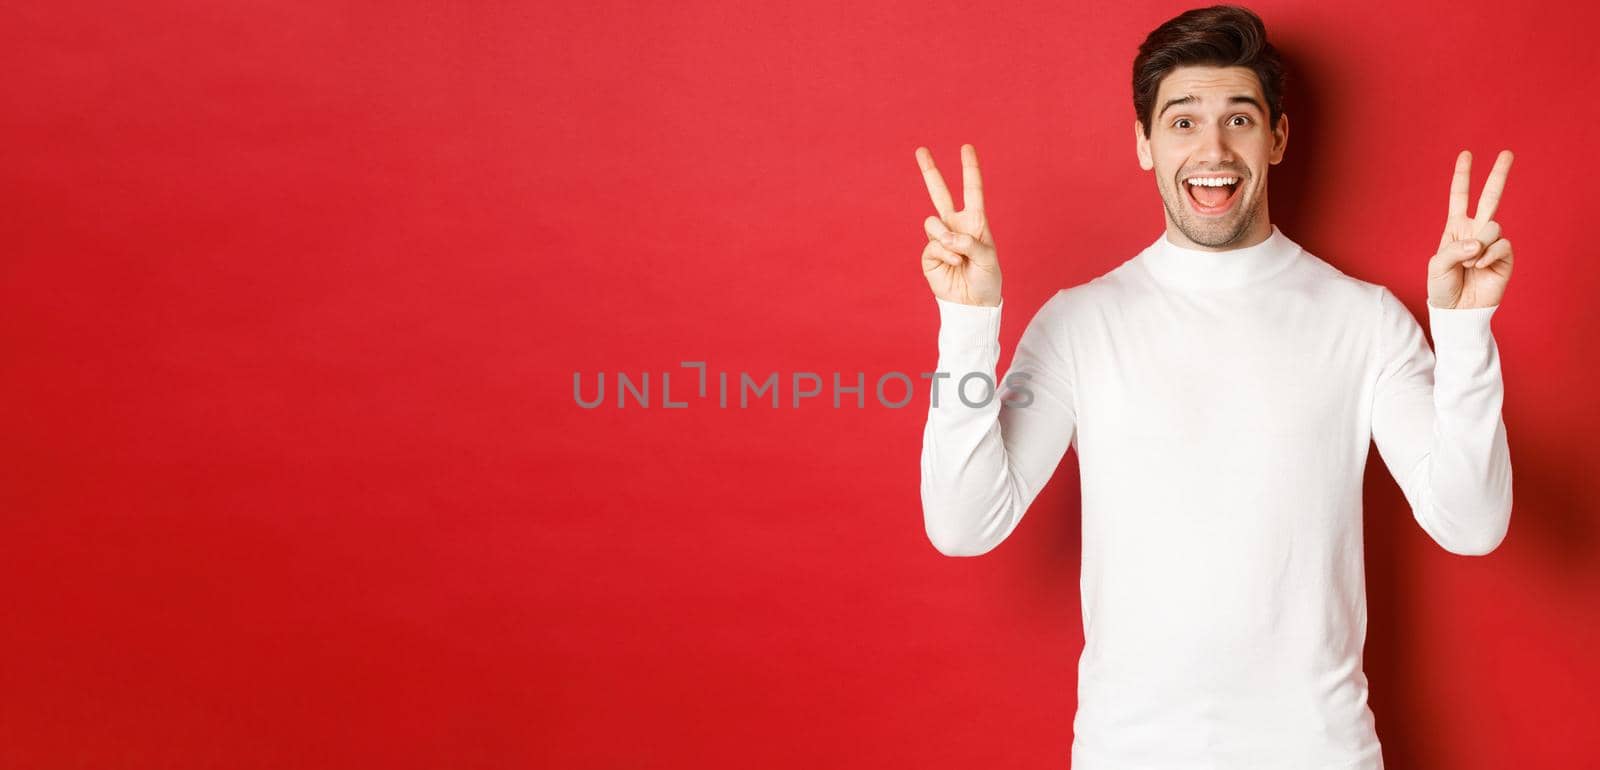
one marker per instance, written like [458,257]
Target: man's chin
[1218,232]
[1214,234]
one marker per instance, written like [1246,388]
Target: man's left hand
[1473,264]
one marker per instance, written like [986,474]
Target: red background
[293,295]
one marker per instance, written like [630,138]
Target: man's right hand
[959,262]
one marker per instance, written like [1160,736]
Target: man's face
[1211,123]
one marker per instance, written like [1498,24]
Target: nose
[1213,151]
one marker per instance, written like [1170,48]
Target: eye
[1245,118]
[1176,123]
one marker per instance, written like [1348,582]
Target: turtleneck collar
[1188,268]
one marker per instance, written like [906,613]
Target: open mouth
[1214,195]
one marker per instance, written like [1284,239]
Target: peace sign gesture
[959,261]
[1473,263]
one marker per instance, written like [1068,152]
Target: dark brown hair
[1221,35]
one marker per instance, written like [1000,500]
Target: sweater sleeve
[1438,426]
[984,461]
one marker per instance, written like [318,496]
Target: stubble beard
[1212,235]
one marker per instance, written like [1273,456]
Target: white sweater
[1221,404]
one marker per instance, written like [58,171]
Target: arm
[1438,427]
[982,466]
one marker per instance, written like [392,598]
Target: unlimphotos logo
[974,390]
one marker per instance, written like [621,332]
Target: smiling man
[1221,388]
[1213,198]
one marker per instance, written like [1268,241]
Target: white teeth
[1213,181]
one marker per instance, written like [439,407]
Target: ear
[1141,146]
[1280,139]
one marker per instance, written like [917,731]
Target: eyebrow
[1235,99]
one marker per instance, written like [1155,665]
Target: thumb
[1452,254]
[979,252]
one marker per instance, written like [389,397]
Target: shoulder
[1113,287]
[1387,322]
[1336,287]
[1066,313]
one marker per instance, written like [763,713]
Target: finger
[936,189]
[1458,184]
[1487,233]
[1489,199]
[1499,251]
[934,228]
[938,253]
[971,181]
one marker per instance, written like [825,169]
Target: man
[1221,389]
